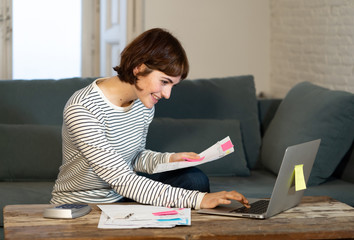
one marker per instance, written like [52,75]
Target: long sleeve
[147,160]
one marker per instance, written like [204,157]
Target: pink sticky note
[172,212]
[227,145]
[193,160]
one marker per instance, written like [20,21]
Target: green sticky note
[300,183]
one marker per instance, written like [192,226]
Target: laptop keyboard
[257,207]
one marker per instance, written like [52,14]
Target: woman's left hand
[178,157]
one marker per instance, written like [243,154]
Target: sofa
[199,113]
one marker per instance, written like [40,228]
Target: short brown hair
[158,50]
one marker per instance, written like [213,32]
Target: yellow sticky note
[299,178]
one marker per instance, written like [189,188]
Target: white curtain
[5,39]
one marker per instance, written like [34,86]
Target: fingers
[238,197]
[212,200]
[191,155]
[224,201]
[182,156]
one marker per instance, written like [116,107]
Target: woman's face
[155,86]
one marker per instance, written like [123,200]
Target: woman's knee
[188,178]
[197,180]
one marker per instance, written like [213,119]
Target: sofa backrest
[36,101]
[31,118]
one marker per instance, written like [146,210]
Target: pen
[129,215]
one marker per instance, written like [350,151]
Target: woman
[105,128]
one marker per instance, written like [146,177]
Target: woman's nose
[166,92]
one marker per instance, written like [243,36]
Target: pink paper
[172,212]
[227,145]
[193,160]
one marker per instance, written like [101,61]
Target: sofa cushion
[29,152]
[24,193]
[259,185]
[336,188]
[196,135]
[310,112]
[218,98]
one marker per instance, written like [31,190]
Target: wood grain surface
[314,218]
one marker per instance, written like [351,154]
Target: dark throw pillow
[29,152]
[196,135]
[309,112]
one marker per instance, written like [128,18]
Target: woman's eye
[164,82]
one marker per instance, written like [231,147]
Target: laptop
[284,195]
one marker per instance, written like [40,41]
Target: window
[46,39]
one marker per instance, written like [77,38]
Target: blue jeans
[188,178]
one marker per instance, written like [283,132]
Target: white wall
[312,40]
[221,38]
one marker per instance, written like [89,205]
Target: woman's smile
[155,98]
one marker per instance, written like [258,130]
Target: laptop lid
[284,194]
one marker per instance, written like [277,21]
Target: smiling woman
[105,128]
[46,39]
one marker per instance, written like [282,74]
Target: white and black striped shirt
[103,146]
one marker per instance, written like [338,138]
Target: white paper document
[217,151]
[142,216]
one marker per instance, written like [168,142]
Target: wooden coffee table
[314,218]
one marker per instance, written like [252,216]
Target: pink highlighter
[193,160]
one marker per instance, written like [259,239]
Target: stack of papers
[217,151]
[142,216]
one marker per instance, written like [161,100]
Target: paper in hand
[215,152]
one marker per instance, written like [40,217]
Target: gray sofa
[199,113]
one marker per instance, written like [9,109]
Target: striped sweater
[103,147]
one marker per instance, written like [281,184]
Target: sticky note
[299,178]
[172,212]
[193,160]
[226,145]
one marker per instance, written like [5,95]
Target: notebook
[284,195]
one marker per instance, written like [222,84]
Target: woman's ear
[139,69]
[136,71]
